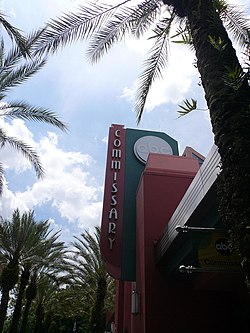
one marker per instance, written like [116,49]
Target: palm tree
[50,265]
[22,242]
[56,302]
[225,82]
[43,255]
[14,70]
[11,234]
[89,273]
[53,299]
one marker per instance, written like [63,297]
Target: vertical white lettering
[117,143]
[114,201]
[113,214]
[111,243]
[114,188]
[112,227]
[116,165]
[116,153]
[117,133]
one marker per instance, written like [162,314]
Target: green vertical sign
[133,170]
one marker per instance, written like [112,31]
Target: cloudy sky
[89,98]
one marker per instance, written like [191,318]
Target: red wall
[169,305]
[163,184]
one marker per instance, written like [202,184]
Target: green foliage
[97,314]
[15,36]
[27,247]
[104,25]
[9,276]
[188,107]
[234,19]
[235,77]
[63,287]
[217,43]
[185,36]
[15,70]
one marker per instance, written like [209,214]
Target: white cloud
[105,140]
[67,186]
[10,157]
[176,82]
[10,201]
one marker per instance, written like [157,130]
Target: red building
[163,241]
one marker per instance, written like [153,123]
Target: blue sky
[89,98]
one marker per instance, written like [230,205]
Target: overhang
[195,208]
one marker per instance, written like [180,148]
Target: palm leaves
[13,72]
[155,63]
[235,21]
[15,35]
[25,242]
[73,27]
[188,107]
[105,24]
[53,283]
[90,273]
[28,246]
[25,149]
[87,260]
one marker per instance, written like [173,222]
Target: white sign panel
[151,144]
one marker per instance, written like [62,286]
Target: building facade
[163,241]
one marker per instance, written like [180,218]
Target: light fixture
[185,228]
[135,302]
[191,269]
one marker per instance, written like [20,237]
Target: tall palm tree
[90,273]
[11,234]
[22,241]
[43,255]
[225,83]
[53,300]
[56,302]
[50,265]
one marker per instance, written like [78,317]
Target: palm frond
[86,261]
[1,178]
[184,33]
[2,53]
[14,56]
[235,77]
[145,15]
[22,110]
[188,107]
[11,77]
[15,35]
[108,35]
[123,21]
[154,65]
[74,26]
[25,149]
[235,21]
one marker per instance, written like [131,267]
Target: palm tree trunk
[25,315]
[230,116]
[17,311]
[97,318]
[8,280]
[30,296]
[39,318]
[3,308]
[48,323]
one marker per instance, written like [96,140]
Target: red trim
[112,216]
